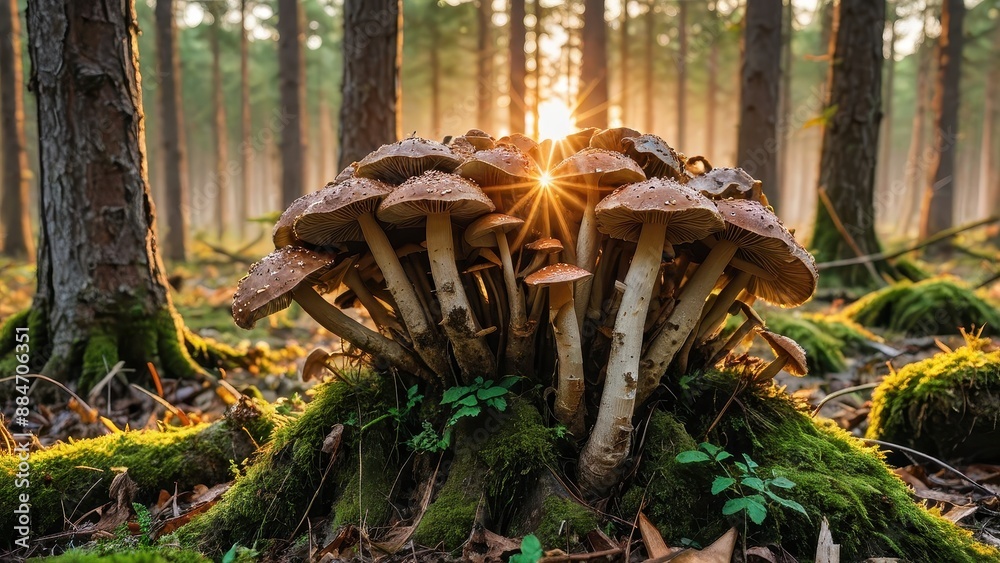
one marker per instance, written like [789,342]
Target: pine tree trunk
[850,138]
[174,152]
[292,83]
[484,66]
[101,293]
[939,194]
[370,111]
[245,124]
[649,86]
[220,129]
[682,55]
[624,92]
[15,232]
[592,98]
[987,161]
[761,76]
[914,171]
[885,153]
[711,96]
[518,67]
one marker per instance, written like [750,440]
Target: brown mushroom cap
[283,233]
[346,173]
[396,162]
[523,142]
[499,166]
[796,364]
[606,169]
[557,273]
[655,156]
[688,215]
[462,147]
[765,242]
[723,183]
[479,139]
[611,139]
[482,231]
[545,245]
[267,287]
[333,217]
[434,192]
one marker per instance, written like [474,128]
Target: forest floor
[203,296]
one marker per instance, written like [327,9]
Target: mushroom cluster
[638,253]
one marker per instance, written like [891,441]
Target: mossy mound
[144,555]
[933,306]
[870,509]
[947,406]
[911,270]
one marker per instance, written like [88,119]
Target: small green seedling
[748,491]
[531,550]
[464,401]
[145,521]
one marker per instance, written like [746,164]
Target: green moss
[933,306]
[449,519]
[7,330]
[268,501]
[364,501]
[823,351]
[75,475]
[145,555]
[520,447]
[568,516]
[911,270]
[99,355]
[869,508]
[946,406]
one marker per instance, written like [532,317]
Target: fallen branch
[825,199]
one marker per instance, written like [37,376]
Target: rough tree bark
[885,152]
[912,174]
[220,130]
[171,125]
[102,296]
[518,67]
[760,78]
[370,111]
[785,123]
[15,232]
[484,65]
[988,179]
[292,83]
[938,201]
[850,138]
[592,102]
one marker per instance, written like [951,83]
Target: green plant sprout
[531,550]
[464,401]
[749,491]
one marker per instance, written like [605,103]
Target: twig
[974,483]
[947,233]
[844,391]
[847,236]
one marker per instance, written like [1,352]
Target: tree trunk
[174,152]
[711,100]
[761,75]
[938,201]
[245,124]
[16,231]
[292,83]
[624,46]
[370,111]
[682,55]
[484,66]
[649,96]
[101,292]
[434,55]
[850,138]
[913,173]
[518,67]
[536,73]
[592,97]
[220,129]
[885,153]
[785,123]
[987,161]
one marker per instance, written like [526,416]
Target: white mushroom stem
[587,245]
[471,351]
[717,314]
[375,309]
[601,278]
[772,369]
[569,408]
[611,437]
[334,320]
[684,317]
[753,321]
[425,339]
[517,351]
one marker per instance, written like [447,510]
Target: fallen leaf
[721,551]
[485,546]
[959,513]
[655,546]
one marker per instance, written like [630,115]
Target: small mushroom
[611,139]
[290,273]
[519,140]
[752,322]
[725,183]
[437,198]
[394,163]
[479,139]
[559,278]
[656,157]
[505,173]
[283,233]
[789,357]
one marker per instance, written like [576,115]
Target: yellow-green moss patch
[932,306]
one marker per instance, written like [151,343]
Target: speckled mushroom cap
[461,147]
[479,139]
[434,192]
[656,158]
[523,142]
[723,183]
[546,245]
[346,173]
[765,242]
[606,169]
[396,162]
[500,166]
[557,273]
[332,217]
[611,139]
[267,287]
[283,233]
[482,231]
[783,345]
[689,216]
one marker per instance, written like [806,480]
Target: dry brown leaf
[826,550]
[485,546]
[721,551]
[959,513]
[655,546]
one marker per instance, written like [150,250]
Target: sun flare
[555,119]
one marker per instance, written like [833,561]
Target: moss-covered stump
[929,307]
[947,406]
[270,499]
[73,478]
[870,510]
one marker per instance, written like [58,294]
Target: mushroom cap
[396,162]
[604,168]
[434,192]
[333,217]
[462,147]
[611,139]
[781,344]
[546,245]
[655,156]
[765,242]
[267,287]
[689,216]
[346,173]
[499,166]
[723,183]
[479,139]
[557,273]
[283,233]
[482,231]
[519,140]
